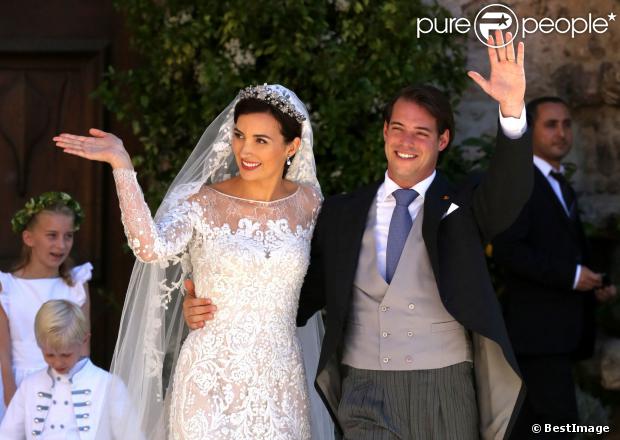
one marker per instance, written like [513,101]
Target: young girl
[46,224]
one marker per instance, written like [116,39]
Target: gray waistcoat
[403,325]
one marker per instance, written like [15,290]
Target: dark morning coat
[455,246]
[539,254]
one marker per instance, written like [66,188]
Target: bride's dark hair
[289,127]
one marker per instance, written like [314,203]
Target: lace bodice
[241,376]
[264,222]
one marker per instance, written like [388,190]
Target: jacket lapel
[550,194]
[436,202]
[351,228]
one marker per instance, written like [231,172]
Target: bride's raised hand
[100,146]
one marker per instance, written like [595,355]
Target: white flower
[238,56]
[342,5]
[181,18]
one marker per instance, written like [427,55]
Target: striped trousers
[401,405]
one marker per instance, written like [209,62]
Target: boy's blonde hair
[60,324]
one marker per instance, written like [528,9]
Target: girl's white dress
[242,375]
[21,299]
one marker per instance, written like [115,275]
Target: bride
[239,217]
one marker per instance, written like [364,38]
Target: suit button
[386,360]
[410,333]
[384,308]
[411,306]
[385,334]
[408,359]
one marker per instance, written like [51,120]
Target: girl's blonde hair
[64,270]
[60,324]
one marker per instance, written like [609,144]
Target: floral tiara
[280,101]
[20,220]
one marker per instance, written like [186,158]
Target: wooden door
[43,93]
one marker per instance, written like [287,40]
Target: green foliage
[471,155]
[605,237]
[343,58]
[591,411]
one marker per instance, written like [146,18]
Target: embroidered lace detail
[242,375]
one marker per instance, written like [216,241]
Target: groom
[415,344]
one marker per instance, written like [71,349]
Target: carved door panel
[42,94]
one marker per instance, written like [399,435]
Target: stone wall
[585,71]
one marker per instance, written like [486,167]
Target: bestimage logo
[501,17]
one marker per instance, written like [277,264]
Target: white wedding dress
[242,375]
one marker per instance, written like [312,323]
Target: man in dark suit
[399,268]
[550,286]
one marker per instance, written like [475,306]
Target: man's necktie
[568,194]
[400,225]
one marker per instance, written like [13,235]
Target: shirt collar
[78,366]
[389,186]
[544,166]
[74,370]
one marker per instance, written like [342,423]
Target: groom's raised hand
[506,83]
[196,310]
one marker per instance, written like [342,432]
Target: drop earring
[288,161]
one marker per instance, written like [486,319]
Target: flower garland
[20,220]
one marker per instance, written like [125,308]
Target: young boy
[72,398]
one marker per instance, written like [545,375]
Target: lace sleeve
[150,241]
[311,204]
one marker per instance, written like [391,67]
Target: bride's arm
[149,241]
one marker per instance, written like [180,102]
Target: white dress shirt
[513,128]
[386,203]
[546,168]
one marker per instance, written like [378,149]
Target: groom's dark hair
[432,100]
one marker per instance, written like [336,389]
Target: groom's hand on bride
[196,310]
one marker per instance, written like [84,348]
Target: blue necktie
[400,225]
